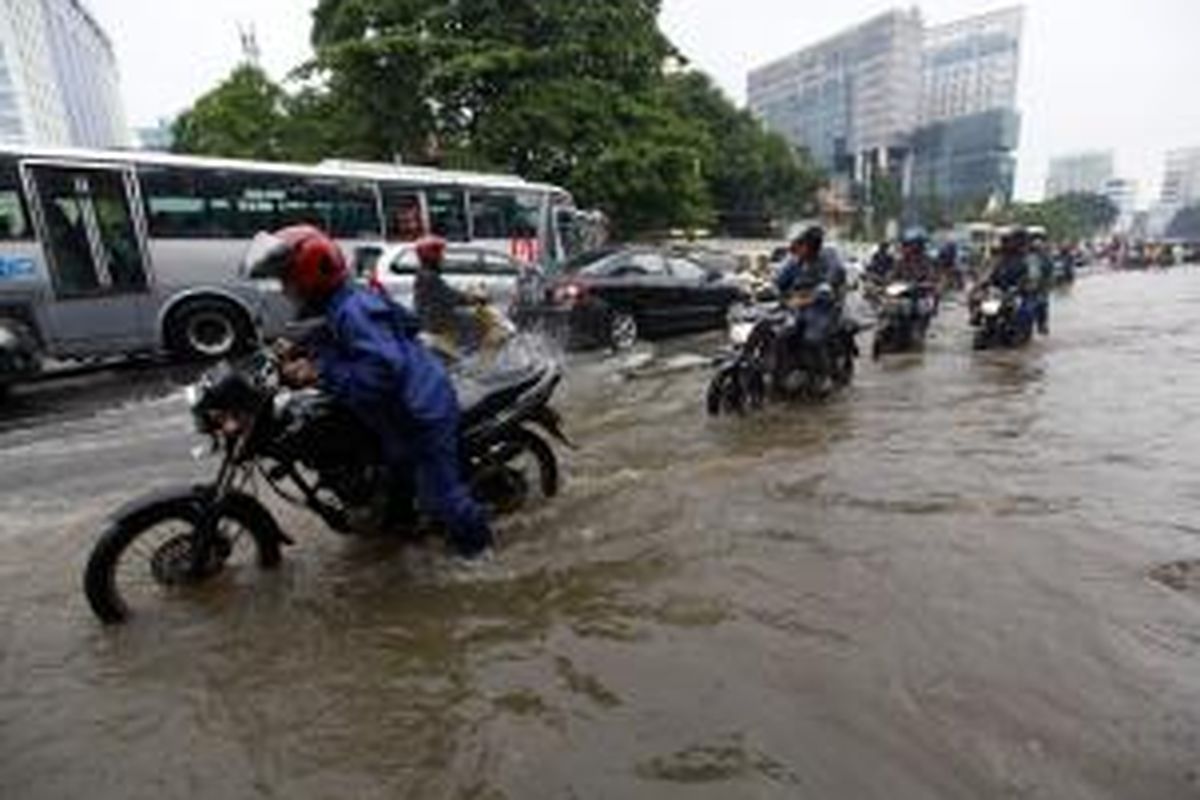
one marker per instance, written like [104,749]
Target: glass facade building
[855,93]
[935,107]
[966,159]
[58,77]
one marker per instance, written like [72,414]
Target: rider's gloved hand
[300,373]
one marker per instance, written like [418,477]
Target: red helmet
[301,256]
[431,250]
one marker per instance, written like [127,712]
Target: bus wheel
[208,329]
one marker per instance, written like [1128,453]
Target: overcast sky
[1097,74]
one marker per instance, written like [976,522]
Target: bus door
[94,254]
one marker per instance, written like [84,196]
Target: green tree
[569,92]
[243,117]
[757,180]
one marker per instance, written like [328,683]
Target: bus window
[74,270]
[448,214]
[402,208]
[91,239]
[508,215]
[176,208]
[14,222]
[343,209]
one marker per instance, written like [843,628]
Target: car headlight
[8,338]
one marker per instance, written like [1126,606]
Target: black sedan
[615,297]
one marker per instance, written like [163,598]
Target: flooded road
[938,586]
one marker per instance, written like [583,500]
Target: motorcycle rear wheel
[163,536]
[502,481]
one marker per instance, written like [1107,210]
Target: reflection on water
[938,585]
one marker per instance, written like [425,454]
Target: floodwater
[941,585]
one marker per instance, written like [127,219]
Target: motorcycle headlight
[739,333]
[991,307]
[193,394]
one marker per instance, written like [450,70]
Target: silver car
[470,269]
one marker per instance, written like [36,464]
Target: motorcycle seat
[481,399]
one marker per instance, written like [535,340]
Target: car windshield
[584,261]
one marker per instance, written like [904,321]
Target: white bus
[108,253]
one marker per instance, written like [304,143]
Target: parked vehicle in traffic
[614,297]
[111,253]
[314,453]
[474,270]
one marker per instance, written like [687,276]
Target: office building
[1079,173]
[58,77]
[159,138]
[1181,179]
[968,160]
[1123,194]
[963,153]
[933,107]
[851,98]
[971,66]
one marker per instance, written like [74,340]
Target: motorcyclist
[813,281]
[368,356]
[948,266]
[810,265]
[444,312]
[1009,271]
[1042,278]
[914,265]
[882,262]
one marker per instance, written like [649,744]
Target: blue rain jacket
[369,358]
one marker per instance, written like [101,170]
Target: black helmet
[915,237]
[1015,238]
[813,236]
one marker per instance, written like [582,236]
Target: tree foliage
[569,92]
[1069,217]
[243,117]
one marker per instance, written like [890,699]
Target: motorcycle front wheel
[149,556]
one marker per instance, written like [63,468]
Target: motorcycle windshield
[266,258]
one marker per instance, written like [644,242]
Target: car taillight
[570,294]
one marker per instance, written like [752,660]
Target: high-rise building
[964,151]
[1181,179]
[933,107]
[971,66]
[1086,173]
[1123,194]
[855,94]
[965,160]
[58,77]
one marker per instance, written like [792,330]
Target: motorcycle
[313,453]
[801,350]
[905,311]
[1004,318]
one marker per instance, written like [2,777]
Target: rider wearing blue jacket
[810,265]
[368,356]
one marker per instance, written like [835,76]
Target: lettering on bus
[13,268]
